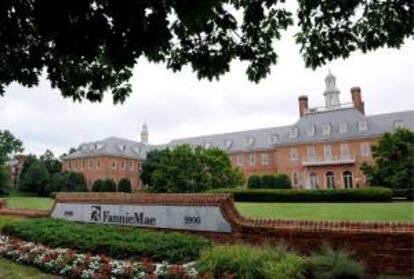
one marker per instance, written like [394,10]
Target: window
[83,164]
[265,159]
[347,179]
[249,141]
[398,124]
[123,165]
[327,151]
[131,165]
[313,180]
[326,129]
[344,150]
[113,164]
[295,178]
[343,127]
[240,160]
[294,154]
[89,164]
[252,159]
[365,149]
[330,180]
[228,143]
[311,153]
[363,125]
[274,138]
[311,131]
[98,164]
[293,133]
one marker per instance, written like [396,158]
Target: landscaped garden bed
[117,242]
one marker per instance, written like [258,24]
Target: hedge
[117,242]
[371,194]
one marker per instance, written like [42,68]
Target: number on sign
[194,220]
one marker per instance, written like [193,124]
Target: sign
[174,216]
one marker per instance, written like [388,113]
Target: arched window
[313,180]
[347,179]
[330,180]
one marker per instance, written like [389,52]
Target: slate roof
[266,138]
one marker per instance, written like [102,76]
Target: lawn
[29,202]
[11,270]
[395,211]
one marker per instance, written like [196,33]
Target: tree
[8,144]
[5,179]
[97,185]
[254,182]
[30,160]
[36,179]
[52,164]
[75,182]
[124,185]
[188,170]
[268,181]
[88,47]
[394,161]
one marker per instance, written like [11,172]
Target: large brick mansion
[323,149]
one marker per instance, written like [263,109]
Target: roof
[342,124]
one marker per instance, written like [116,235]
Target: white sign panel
[195,218]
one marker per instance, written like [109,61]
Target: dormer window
[311,131]
[137,150]
[228,143]
[293,133]
[362,125]
[250,141]
[122,147]
[274,138]
[398,124]
[326,129]
[343,127]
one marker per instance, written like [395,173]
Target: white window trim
[252,159]
[294,151]
[265,159]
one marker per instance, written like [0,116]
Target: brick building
[323,149]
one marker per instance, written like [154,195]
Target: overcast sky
[176,105]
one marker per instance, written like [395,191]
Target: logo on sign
[96,214]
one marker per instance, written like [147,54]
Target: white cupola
[144,134]
[331,92]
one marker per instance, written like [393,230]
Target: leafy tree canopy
[188,170]
[394,161]
[9,145]
[36,179]
[89,46]
[52,164]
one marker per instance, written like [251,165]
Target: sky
[178,105]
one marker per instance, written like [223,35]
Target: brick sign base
[385,247]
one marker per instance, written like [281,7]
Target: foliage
[88,47]
[185,169]
[254,182]
[97,185]
[67,181]
[242,261]
[5,179]
[52,164]
[335,264]
[282,181]
[9,144]
[36,179]
[28,162]
[124,185]
[297,195]
[394,161]
[117,242]
[108,185]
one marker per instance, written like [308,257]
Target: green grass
[4,220]
[29,202]
[395,211]
[11,270]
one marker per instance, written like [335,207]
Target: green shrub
[254,182]
[114,241]
[268,181]
[124,185]
[108,185]
[243,261]
[97,185]
[376,194]
[282,181]
[334,264]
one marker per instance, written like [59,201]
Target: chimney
[303,105]
[357,99]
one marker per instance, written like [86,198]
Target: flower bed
[68,263]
